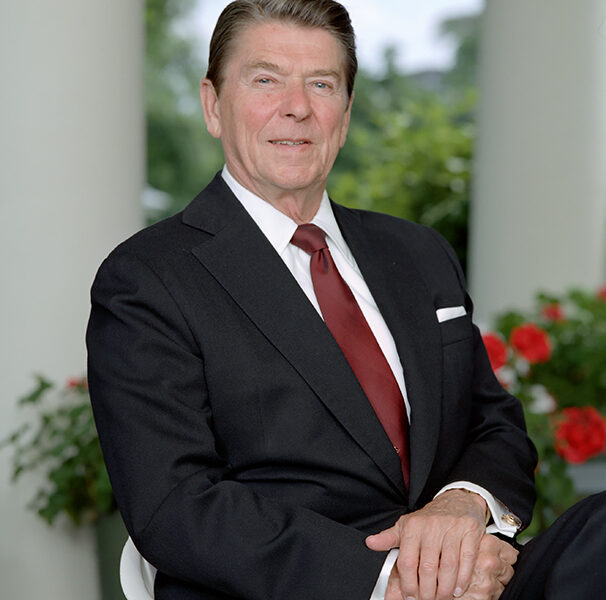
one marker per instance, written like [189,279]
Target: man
[275,377]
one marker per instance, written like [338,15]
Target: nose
[296,103]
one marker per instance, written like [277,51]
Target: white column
[71,154]
[539,207]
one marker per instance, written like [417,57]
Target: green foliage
[181,156]
[61,441]
[466,32]
[413,161]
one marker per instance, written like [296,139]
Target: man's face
[283,111]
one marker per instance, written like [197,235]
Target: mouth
[290,143]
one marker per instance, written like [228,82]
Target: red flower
[77,382]
[581,434]
[553,312]
[497,350]
[531,342]
[602,293]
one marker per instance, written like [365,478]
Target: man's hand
[438,545]
[493,570]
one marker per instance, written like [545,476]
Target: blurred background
[483,119]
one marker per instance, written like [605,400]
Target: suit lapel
[408,309]
[245,264]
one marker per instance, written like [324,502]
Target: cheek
[333,119]
[253,117]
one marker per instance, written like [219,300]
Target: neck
[301,205]
[300,209]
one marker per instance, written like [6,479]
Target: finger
[447,570]
[508,554]
[429,562]
[393,585]
[385,540]
[467,560]
[504,577]
[408,566]
[484,589]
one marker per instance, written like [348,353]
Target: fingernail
[458,593]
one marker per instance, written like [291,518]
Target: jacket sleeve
[181,504]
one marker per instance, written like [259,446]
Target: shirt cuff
[381,586]
[503,520]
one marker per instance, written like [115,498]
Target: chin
[296,181]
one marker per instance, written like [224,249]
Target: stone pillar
[71,151]
[539,207]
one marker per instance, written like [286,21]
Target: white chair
[136,574]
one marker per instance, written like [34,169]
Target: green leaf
[38,392]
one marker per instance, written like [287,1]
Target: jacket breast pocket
[456,330]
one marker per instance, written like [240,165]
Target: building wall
[539,206]
[71,150]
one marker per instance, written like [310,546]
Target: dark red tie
[348,326]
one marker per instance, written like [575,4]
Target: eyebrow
[326,73]
[263,65]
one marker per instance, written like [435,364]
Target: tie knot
[310,238]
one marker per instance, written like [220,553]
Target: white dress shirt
[278,228]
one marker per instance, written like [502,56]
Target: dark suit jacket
[244,456]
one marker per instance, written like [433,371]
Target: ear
[210,105]
[346,120]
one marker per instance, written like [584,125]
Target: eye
[263,80]
[323,87]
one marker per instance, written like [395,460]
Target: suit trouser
[568,561]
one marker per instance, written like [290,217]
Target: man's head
[278,96]
[323,14]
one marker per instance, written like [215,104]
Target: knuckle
[489,563]
[507,575]
[511,557]
[468,556]
[418,523]
[428,566]
[407,563]
[448,565]
[468,521]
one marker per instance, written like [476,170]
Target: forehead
[288,45]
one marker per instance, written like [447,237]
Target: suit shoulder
[175,235]
[428,249]
[409,232]
[160,240]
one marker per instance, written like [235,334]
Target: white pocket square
[450,312]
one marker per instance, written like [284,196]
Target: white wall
[71,160]
[539,208]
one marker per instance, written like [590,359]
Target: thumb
[385,540]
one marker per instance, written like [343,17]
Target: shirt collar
[277,227]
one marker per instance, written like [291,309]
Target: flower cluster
[553,359]
[527,345]
[580,434]
[579,431]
